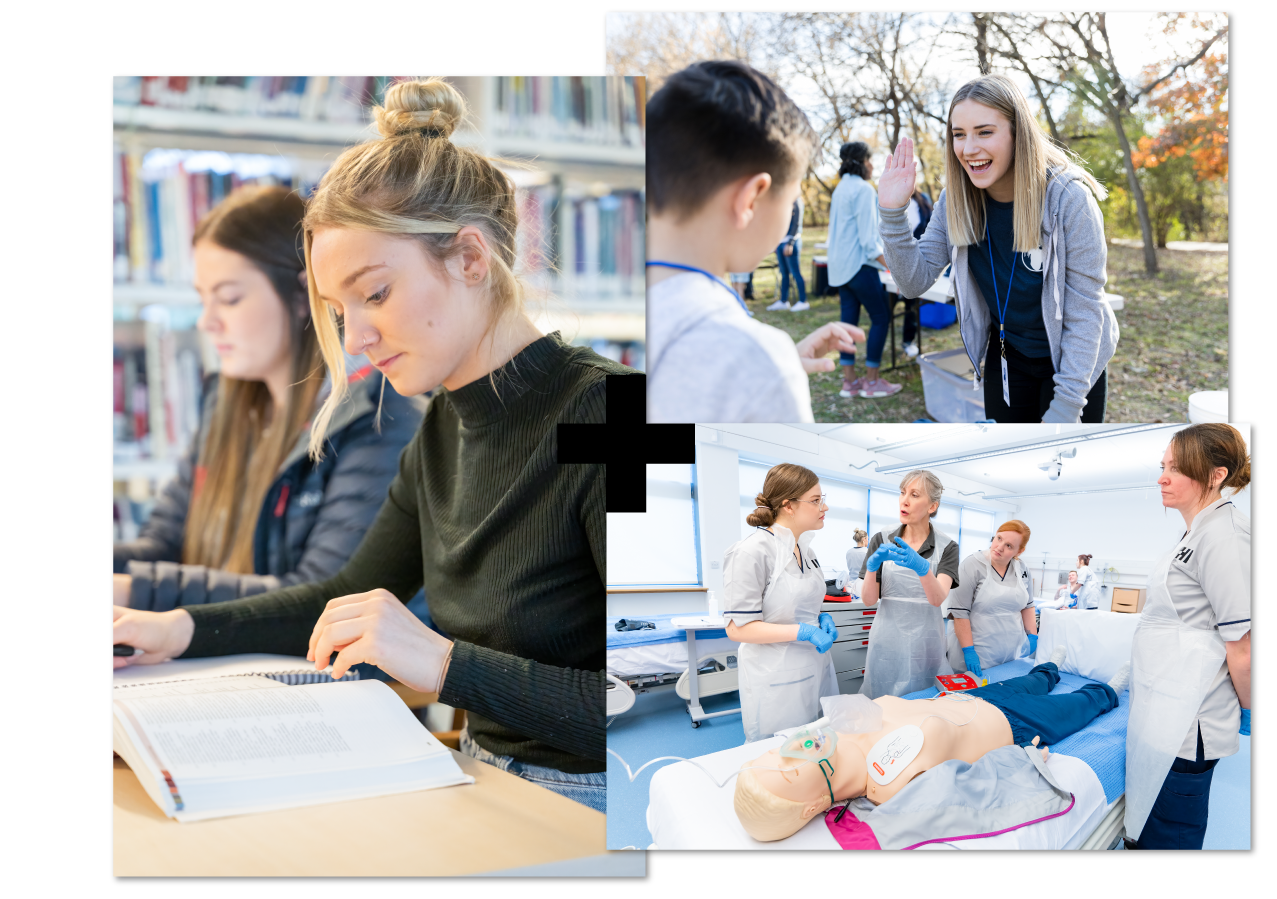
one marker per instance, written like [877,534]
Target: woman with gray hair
[914,567]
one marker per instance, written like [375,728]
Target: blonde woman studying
[1021,227]
[411,240]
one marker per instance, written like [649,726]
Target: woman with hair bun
[1088,584]
[773,587]
[410,242]
[1190,659]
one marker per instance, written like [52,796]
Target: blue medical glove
[815,636]
[880,555]
[907,557]
[1033,644]
[1245,728]
[973,662]
[827,625]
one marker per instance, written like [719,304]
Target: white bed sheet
[658,658]
[687,811]
[1098,642]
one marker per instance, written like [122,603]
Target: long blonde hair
[241,454]
[415,182]
[1035,155]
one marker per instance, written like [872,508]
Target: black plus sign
[627,443]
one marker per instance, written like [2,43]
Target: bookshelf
[182,143]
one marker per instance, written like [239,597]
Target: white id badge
[1006,385]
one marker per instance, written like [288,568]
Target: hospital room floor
[658,725]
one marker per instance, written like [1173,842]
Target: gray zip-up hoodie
[1080,325]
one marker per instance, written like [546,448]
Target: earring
[476,276]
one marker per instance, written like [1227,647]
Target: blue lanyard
[701,271]
[1002,308]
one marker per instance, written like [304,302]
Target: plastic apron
[1172,667]
[906,645]
[1088,589]
[996,623]
[781,683]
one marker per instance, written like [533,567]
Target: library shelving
[576,153]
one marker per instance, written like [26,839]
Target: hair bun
[411,106]
[761,502]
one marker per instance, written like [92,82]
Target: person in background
[411,241]
[855,259]
[1066,596]
[919,214]
[249,511]
[1088,590]
[856,560]
[992,609]
[789,263]
[1190,657]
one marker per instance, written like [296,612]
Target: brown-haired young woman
[248,511]
[411,244]
[1190,659]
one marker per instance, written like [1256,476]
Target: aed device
[956,683]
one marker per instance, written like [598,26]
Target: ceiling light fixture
[1012,449]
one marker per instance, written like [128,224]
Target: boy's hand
[895,187]
[835,336]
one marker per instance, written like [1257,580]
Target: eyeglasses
[823,501]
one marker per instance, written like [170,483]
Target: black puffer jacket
[313,516]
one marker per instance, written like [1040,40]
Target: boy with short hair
[727,150]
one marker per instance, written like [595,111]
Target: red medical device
[955,683]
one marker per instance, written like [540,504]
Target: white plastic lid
[1208,405]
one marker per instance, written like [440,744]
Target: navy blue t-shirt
[1025,329]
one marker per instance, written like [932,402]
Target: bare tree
[1083,58]
[660,44]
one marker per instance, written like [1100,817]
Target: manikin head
[1011,539]
[920,493]
[775,804]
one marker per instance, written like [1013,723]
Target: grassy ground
[1174,338]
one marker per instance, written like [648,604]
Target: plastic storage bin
[1208,405]
[947,385]
[936,315]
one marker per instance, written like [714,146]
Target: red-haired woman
[992,606]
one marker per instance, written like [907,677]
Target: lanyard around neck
[701,271]
[1002,307]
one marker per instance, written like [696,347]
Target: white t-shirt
[708,361]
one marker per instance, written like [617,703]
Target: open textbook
[222,741]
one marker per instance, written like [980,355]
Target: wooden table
[499,822]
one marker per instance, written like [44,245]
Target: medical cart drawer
[1128,599]
[850,681]
[850,655]
[854,632]
[853,616]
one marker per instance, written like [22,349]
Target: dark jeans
[789,265]
[1178,818]
[866,289]
[1032,713]
[1032,387]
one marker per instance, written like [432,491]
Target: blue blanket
[1101,744]
[664,633]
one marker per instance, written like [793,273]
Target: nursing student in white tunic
[908,575]
[773,587]
[1190,658]
[992,608]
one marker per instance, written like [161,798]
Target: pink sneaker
[851,388]
[878,389]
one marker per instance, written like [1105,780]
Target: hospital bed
[644,659]
[687,811]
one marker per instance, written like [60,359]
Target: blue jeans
[1032,713]
[587,789]
[866,289]
[789,265]
[1178,818]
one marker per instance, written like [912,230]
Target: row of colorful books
[157,379]
[312,98]
[604,110]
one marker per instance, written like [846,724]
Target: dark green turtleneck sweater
[511,548]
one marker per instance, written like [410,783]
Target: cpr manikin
[781,790]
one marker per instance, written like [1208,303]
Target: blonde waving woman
[410,240]
[1021,227]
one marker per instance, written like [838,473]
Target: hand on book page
[377,628]
[161,635]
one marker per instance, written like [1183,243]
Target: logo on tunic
[1184,555]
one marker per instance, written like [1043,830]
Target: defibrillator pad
[893,753]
